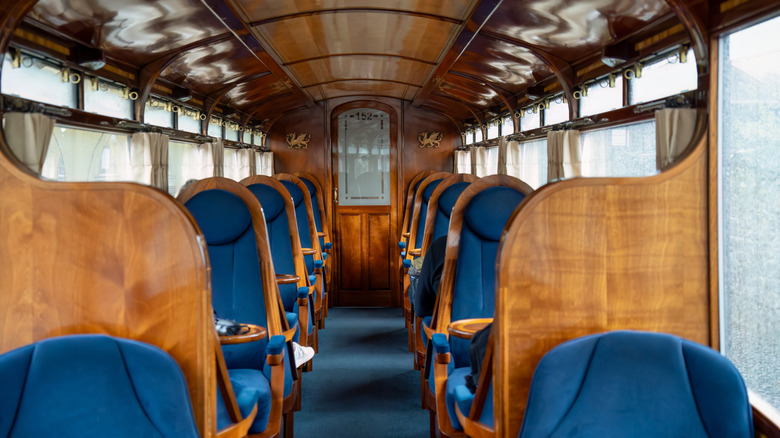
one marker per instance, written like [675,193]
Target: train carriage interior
[390,218]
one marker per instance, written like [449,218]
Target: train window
[531,119]
[215,127]
[749,204]
[507,125]
[54,85]
[557,112]
[477,135]
[605,94]
[463,161]
[85,155]
[107,98]
[157,114]
[257,138]
[664,78]
[626,150]
[364,157]
[528,161]
[183,164]
[231,131]
[264,163]
[493,129]
[189,120]
[246,136]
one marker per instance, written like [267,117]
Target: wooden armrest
[321,234]
[466,328]
[415,252]
[287,278]
[288,334]
[308,251]
[255,333]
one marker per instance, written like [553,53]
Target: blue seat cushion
[90,386]
[456,377]
[250,387]
[636,384]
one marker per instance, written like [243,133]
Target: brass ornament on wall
[429,139]
[298,140]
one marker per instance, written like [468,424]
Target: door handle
[336,195]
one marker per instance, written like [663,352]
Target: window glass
[477,135]
[557,112]
[627,150]
[189,120]
[183,164]
[157,114]
[215,127]
[364,157]
[47,77]
[231,130]
[493,129]
[749,202]
[664,78]
[108,99]
[531,119]
[246,136]
[257,138]
[86,155]
[507,126]
[230,166]
[528,161]
[601,97]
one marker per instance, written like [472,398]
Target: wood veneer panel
[591,255]
[349,243]
[263,10]
[378,251]
[364,66]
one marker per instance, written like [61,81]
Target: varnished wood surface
[414,225]
[589,255]
[287,278]
[408,204]
[253,333]
[433,205]
[467,328]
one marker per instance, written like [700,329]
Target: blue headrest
[309,186]
[489,211]
[450,195]
[271,200]
[295,192]
[636,384]
[222,216]
[426,196]
[93,385]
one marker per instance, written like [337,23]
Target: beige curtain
[265,166]
[149,159]
[462,161]
[245,158]
[218,157]
[479,156]
[513,159]
[673,132]
[205,161]
[563,155]
[502,159]
[252,162]
[28,136]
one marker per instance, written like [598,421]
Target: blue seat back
[636,384]
[93,385]
[237,291]
[315,206]
[474,290]
[447,200]
[426,197]
[302,217]
[276,222]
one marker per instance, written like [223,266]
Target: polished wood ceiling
[262,57]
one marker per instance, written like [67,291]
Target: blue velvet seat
[93,386]
[468,284]
[238,290]
[636,384]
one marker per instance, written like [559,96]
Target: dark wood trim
[362,79]
[355,10]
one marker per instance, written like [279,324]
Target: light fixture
[87,57]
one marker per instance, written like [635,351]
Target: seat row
[617,383]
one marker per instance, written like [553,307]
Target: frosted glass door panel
[364,157]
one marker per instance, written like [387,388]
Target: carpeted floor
[363,383]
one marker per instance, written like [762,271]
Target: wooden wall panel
[314,159]
[378,251]
[351,252]
[416,159]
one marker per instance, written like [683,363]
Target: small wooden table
[466,328]
[255,333]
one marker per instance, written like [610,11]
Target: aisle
[363,383]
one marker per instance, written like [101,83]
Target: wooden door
[364,178]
